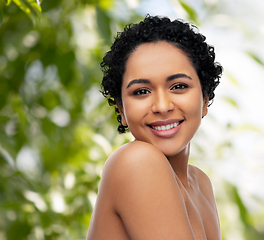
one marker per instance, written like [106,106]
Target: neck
[179,164]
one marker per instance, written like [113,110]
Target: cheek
[191,104]
[134,106]
[196,108]
[133,111]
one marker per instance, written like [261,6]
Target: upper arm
[146,195]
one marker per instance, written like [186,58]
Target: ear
[205,106]
[121,111]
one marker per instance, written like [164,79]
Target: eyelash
[143,91]
[179,86]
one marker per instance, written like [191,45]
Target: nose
[162,103]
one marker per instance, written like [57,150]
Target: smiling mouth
[166,127]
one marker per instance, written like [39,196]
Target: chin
[171,151]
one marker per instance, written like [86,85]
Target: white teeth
[167,127]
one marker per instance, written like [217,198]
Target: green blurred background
[56,130]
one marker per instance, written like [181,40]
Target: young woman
[160,75]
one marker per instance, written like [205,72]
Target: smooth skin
[148,190]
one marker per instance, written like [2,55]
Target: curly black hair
[183,35]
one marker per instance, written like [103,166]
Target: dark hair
[183,35]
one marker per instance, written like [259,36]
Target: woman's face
[162,100]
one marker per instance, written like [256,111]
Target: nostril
[162,106]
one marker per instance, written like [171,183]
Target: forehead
[156,59]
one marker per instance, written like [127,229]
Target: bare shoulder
[201,175]
[205,184]
[132,163]
[135,150]
[135,154]
[144,192]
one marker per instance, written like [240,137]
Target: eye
[141,91]
[179,86]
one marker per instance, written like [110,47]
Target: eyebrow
[170,78]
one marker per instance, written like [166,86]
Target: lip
[165,122]
[166,133]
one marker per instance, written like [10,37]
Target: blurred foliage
[55,128]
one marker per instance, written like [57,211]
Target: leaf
[231,101]
[7,157]
[191,12]
[35,4]
[103,22]
[8,2]
[256,58]
[1,16]
[23,227]
[105,4]
[30,7]
[249,127]
[244,214]
[233,79]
